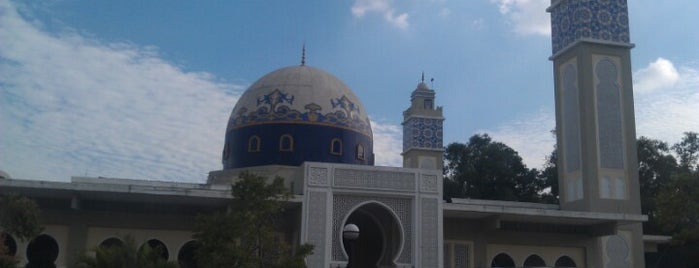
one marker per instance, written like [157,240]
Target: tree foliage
[677,200]
[670,197]
[124,255]
[688,152]
[247,234]
[549,177]
[656,167]
[19,217]
[486,169]
[678,208]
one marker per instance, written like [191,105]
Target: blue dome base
[293,144]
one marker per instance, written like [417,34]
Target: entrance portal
[380,236]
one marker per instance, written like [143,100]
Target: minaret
[596,133]
[422,130]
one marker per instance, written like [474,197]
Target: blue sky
[143,89]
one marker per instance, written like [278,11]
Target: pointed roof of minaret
[303,55]
[422,86]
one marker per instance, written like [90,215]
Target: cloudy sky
[143,89]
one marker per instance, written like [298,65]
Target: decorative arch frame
[393,215]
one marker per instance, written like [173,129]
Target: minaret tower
[422,130]
[596,133]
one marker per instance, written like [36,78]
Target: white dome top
[301,91]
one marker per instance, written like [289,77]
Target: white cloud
[362,7]
[659,74]
[665,114]
[388,144]
[660,114]
[529,135]
[478,23]
[527,16]
[445,12]
[71,105]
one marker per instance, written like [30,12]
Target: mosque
[307,126]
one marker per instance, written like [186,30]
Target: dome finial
[423,77]
[303,54]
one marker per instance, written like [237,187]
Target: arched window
[226,153]
[360,152]
[428,104]
[112,242]
[286,143]
[185,257]
[336,146]
[534,261]
[42,251]
[503,260]
[565,262]
[10,243]
[254,144]
[154,247]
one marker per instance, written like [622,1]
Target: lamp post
[350,233]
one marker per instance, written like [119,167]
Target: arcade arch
[42,251]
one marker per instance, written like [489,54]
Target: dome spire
[303,54]
[423,77]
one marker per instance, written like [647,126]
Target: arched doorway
[380,240]
[155,247]
[502,260]
[186,255]
[42,251]
[9,244]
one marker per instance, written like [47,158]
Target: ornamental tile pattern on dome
[272,109]
[301,95]
[573,20]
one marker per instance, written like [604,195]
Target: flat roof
[120,189]
[532,212]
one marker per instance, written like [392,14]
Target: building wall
[484,243]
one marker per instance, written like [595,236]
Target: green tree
[124,255]
[688,151]
[549,177]
[656,167]
[19,217]
[247,234]
[676,207]
[487,169]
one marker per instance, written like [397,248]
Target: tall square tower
[596,133]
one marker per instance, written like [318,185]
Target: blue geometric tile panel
[422,133]
[604,20]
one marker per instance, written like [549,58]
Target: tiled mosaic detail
[461,255]
[373,179]
[429,232]
[609,114]
[571,116]
[316,228]
[429,183]
[424,133]
[275,107]
[319,176]
[617,251]
[605,20]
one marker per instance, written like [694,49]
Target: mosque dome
[297,114]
